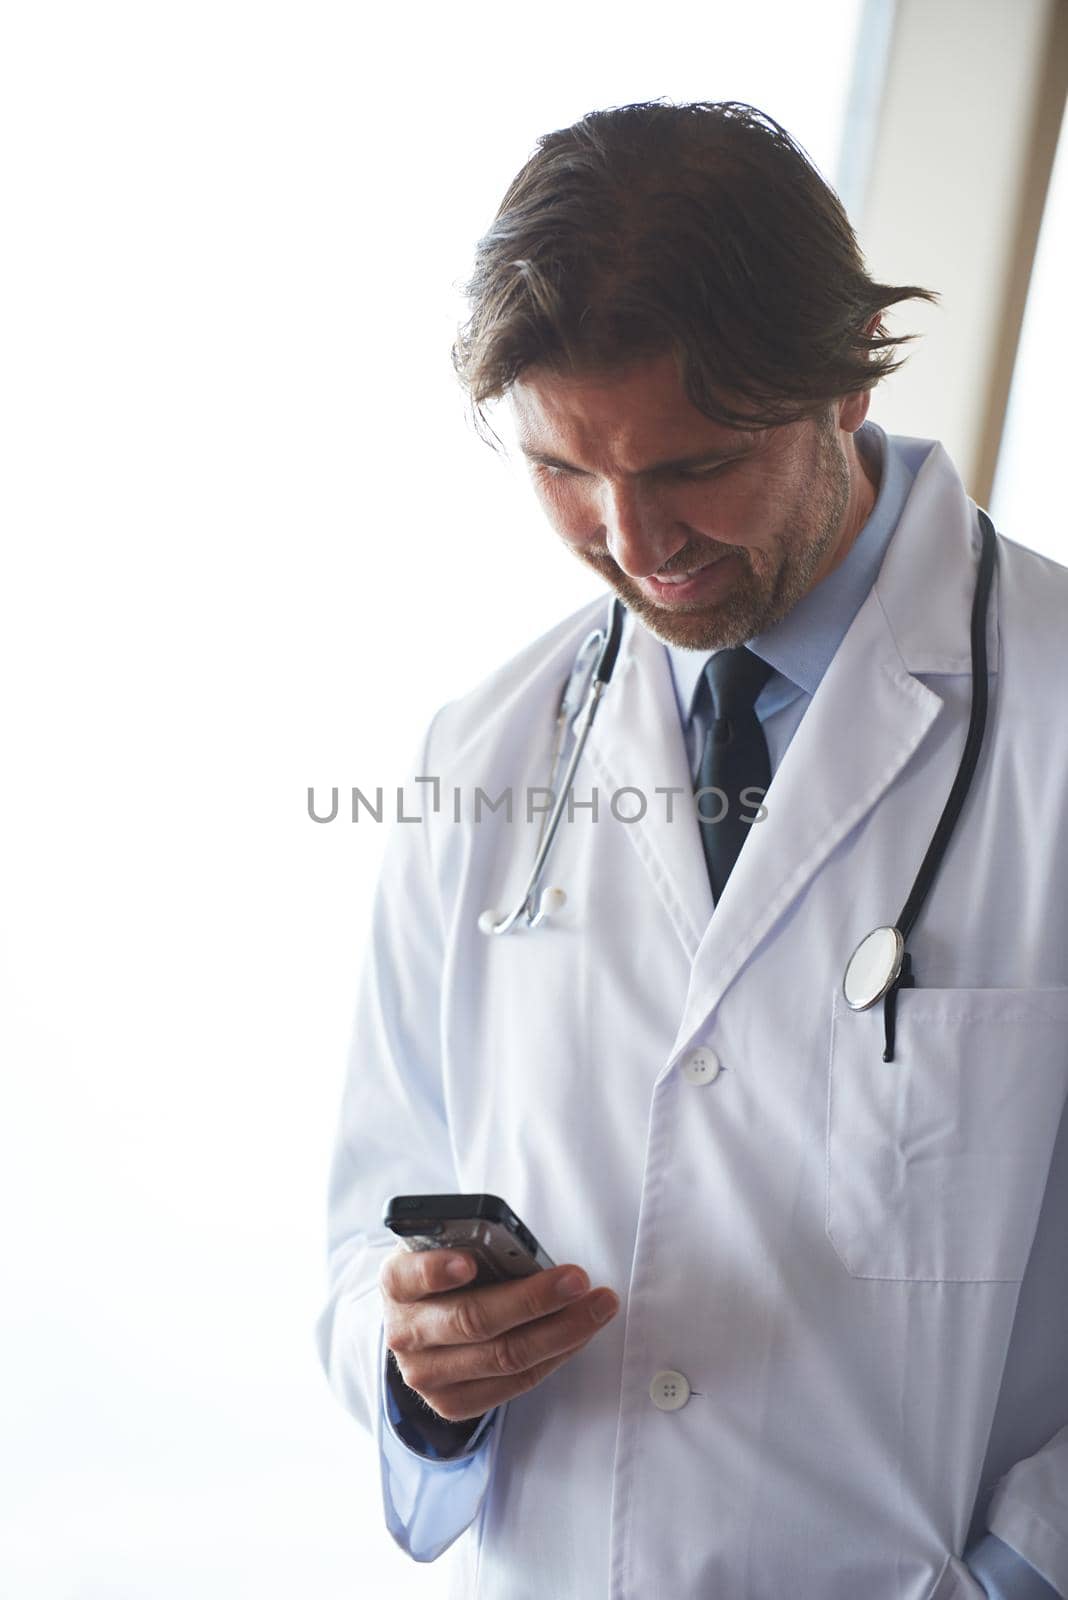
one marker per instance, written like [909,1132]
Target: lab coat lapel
[637,742]
[866,720]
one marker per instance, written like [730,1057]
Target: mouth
[699,583]
[684,577]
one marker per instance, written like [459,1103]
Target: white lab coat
[849,1261]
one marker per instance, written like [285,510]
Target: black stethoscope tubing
[936,850]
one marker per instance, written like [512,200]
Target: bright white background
[250,544]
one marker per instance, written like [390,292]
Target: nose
[639,536]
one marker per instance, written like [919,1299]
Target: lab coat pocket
[937,1160]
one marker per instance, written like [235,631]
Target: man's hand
[465,1351]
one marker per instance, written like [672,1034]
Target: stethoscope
[587,682]
[880,965]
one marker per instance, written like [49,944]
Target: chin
[705,629]
[701,634]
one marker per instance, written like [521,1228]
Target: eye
[696,474]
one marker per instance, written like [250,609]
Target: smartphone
[480,1224]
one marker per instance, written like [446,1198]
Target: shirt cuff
[1004,1573]
[419,1428]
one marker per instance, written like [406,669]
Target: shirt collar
[802,645]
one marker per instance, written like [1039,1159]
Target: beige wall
[971,109]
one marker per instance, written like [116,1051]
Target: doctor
[820,1345]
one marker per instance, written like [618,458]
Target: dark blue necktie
[734,759]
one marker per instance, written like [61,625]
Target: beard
[770,582]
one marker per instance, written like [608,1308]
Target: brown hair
[700,229]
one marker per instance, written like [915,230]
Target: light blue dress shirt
[800,649]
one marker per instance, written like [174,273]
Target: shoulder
[1031,574]
[1032,620]
[1033,604]
[527,685]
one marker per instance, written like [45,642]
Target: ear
[852,410]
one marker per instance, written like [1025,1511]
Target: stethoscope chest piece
[873,968]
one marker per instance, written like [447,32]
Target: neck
[864,486]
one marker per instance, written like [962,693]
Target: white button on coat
[701,1066]
[669,1390]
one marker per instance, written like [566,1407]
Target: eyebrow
[705,458]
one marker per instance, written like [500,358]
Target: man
[818,1342]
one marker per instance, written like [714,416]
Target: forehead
[625,418]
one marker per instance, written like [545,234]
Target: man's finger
[474,1316]
[409,1275]
[430,1368]
[462,1401]
[423,1278]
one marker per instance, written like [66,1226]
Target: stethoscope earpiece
[552,900]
